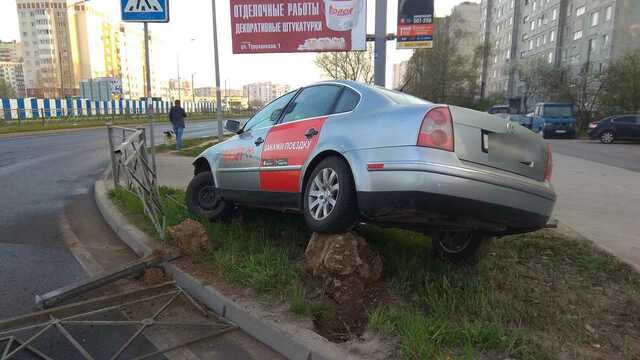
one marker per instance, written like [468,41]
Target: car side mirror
[232,126]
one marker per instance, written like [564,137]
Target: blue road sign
[144,10]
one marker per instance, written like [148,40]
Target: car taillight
[593,125]
[548,166]
[436,130]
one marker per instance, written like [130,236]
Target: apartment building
[44,31]
[264,92]
[10,51]
[571,34]
[13,75]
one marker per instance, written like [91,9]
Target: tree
[585,91]
[347,65]
[442,74]
[6,91]
[540,80]
[622,88]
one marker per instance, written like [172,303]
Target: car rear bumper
[429,195]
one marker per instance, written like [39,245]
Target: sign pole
[148,95]
[380,50]
[217,72]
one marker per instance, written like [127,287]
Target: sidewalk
[600,202]
[174,171]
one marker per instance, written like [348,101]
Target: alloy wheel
[323,194]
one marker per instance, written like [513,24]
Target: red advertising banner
[285,26]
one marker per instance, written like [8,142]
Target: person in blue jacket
[176,116]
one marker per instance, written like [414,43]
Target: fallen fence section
[133,170]
[63,318]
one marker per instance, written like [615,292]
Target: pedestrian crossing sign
[144,10]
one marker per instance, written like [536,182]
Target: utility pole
[193,90]
[217,71]
[61,74]
[380,50]
[148,95]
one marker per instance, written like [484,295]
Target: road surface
[598,189]
[47,202]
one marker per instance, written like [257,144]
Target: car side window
[625,120]
[269,114]
[347,101]
[312,102]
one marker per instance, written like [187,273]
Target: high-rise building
[570,34]
[399,72]
[10,51]
[13,76]
[261,93]
[465,20]
[48,68]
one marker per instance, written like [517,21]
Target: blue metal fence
[32,108]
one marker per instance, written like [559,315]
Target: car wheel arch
[200,165]
[316,160]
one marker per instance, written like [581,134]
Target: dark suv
[618,127]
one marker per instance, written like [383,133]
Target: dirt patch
[347,269]
[190,237]
[153,276]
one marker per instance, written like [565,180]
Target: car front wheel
[329,197]
[456,246]
[203,199]
[607,137]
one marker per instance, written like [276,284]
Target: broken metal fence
[133,168]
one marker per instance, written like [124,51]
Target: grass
[190,147]
[533,296]
[34,125]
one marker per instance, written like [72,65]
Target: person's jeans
[178,131]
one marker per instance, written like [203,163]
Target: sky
[188,37]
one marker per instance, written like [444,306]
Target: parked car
[554,119]
[342,152]
[500,110]
[505,112]
[618,127]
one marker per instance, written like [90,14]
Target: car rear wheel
[456,246]
[203,200]
[607,137]
[329,197]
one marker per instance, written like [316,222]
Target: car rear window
[347,101]
[399,97]
[558,111]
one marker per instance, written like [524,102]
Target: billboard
[415,24]
[285,26]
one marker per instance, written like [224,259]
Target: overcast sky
[192,20]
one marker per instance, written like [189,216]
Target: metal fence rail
[133,170]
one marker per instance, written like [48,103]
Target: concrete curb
[284,341]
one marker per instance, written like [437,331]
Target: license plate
[561,131]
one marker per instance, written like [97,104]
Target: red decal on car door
[288,146]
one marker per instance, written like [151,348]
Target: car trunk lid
[499,143]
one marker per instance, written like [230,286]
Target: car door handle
[311,133]
[259,141]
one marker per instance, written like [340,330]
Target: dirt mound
[190,237]
[348,270]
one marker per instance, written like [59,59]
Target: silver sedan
[342,152]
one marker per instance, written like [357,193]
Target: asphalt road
[624,155]
[46,197]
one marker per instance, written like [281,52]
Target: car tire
[456,246]
[329,199]
[607,137]
[202,198]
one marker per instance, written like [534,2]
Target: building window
[513,2]
[595,17]
[580,11]
[554,14]
[550,57]
[531,44]
[538,42]
[544,39]
[577,35]
[535,3]
[605,41]
[525,19]
[508,54]
[539,22]
[609,12]
[533,24]
[592,45]
[511,20]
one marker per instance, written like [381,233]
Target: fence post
[114,174]
[42,116]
